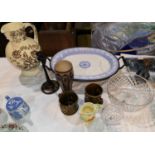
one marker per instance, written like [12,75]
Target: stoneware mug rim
[91,85]
[67,93]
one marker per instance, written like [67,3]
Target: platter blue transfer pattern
[114,64]
[84,64]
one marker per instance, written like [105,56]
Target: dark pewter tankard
[64,74]
[68,102]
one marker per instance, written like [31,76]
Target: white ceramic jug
[21,50]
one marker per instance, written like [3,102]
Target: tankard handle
[34,30]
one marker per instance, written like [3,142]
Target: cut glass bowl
[130,91]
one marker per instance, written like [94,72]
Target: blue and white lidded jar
[17,107]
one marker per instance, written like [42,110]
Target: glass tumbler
[112,115]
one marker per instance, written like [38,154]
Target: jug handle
[34,30]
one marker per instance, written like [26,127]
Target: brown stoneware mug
[68,102]
[93,93]
[64,74]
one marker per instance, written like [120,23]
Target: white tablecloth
[45,110]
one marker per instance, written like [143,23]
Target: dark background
[55,36]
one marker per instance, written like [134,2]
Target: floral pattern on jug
[21,50]
[18,35]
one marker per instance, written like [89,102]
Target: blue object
[136,43]
[139,42]
[127,47]
[17,107]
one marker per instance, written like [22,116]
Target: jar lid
[13,103]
